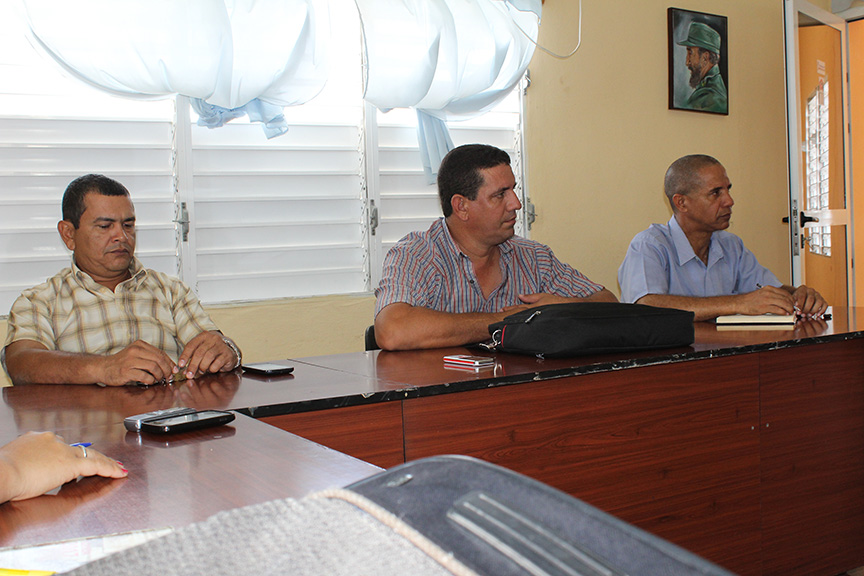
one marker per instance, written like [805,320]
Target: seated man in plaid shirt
[106,319]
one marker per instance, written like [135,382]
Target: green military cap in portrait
[702,36]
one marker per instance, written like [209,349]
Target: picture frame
[698,62]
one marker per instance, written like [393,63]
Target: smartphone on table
[185,422]
[133,423]
[267,369]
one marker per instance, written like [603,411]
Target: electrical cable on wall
[546,50]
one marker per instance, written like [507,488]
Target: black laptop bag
[580,328]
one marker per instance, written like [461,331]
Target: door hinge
[373,217]
[183,220]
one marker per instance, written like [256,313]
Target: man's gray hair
[684,175]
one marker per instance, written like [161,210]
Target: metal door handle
[804,219]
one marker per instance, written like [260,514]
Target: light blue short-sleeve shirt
[660,260]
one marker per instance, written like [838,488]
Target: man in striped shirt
[443,287]
[107,319]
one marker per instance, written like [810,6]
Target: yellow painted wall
[599,139]
[600,135]
[297,327]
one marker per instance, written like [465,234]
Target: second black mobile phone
[186,422]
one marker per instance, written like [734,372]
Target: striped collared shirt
[427,269]
[72,313]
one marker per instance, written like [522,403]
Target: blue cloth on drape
[434,140]
[269,115]
[447,59]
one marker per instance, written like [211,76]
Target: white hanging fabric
[234,56]
[449,59]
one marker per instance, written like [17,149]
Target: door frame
[791,8]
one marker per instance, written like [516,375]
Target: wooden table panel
[372,433]
[673,449]
[813,459]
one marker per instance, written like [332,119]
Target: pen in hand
[797,310]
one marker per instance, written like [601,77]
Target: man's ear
[67,233]
[680,202]
[459,204]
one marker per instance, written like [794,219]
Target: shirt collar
[682,245]
[448,238]
[137,273]
[505,248]
[683,248]
[136,270]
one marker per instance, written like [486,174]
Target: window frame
[177,147]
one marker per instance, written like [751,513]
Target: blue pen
[82,444]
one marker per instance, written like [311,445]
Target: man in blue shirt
[692,263]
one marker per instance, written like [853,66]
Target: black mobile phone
[186,422]
[268,368]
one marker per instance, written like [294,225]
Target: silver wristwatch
[230,343]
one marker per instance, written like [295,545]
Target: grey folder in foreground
[496,521]
[436,516]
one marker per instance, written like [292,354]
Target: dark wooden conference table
[173,480]
[746,447]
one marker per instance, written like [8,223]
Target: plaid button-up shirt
[72,313]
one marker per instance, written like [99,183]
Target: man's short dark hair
[685,174]
[73,197]
[460,171]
